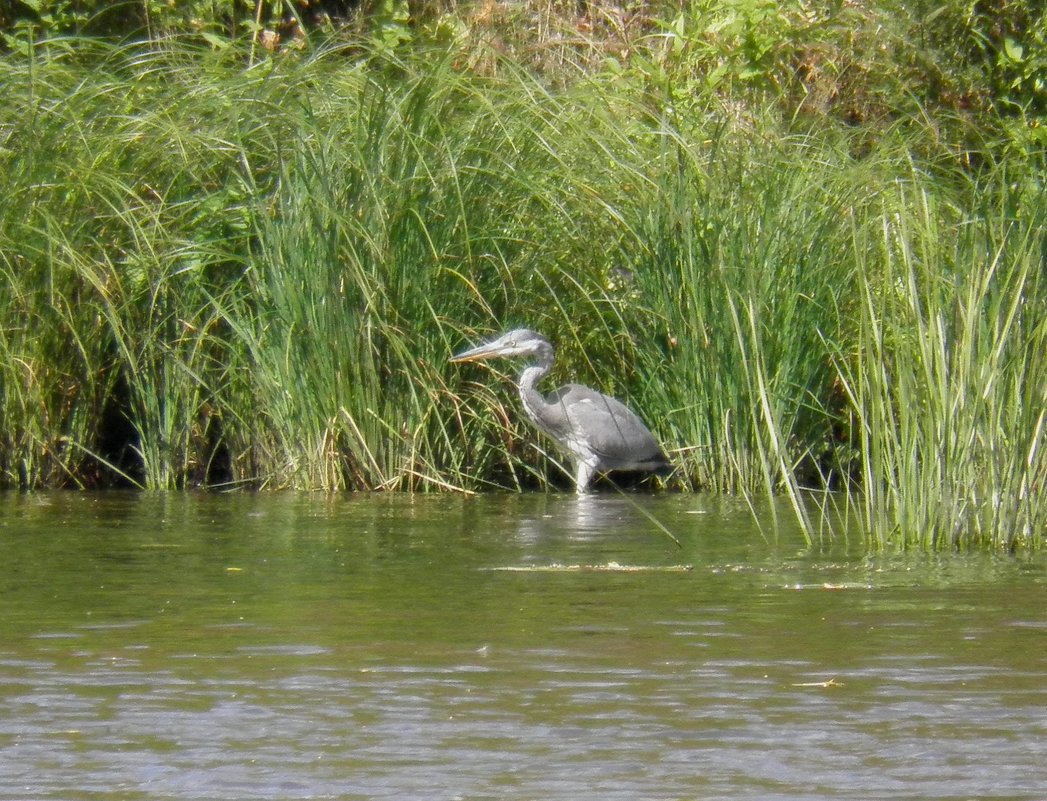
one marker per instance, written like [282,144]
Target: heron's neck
[532,399]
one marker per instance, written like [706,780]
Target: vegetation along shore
[806,240]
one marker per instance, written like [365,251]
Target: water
[503,647]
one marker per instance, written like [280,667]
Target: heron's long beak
[477,354]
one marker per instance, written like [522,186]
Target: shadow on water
[504,646]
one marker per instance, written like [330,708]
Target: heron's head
[514,344]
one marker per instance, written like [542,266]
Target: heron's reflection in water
[581,518]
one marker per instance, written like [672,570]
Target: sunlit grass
[947,382]
[214,274]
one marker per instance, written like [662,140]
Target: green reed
[111,253]
[947,382]
[756,269]
[220,274]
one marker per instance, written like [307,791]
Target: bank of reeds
[229,276]
[944,374]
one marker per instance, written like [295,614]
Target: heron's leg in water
[583,475]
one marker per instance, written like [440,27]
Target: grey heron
[599,433]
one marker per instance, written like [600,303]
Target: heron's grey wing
[613,432]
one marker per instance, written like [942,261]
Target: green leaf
[1013,49]
[217,42]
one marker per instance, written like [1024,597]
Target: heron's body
[600,433]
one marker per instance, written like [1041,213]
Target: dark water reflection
[237,647]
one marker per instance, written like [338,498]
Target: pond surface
[502,647]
